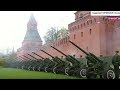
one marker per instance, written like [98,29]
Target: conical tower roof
[32,32]
[32,19]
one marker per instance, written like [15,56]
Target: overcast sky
[13,25]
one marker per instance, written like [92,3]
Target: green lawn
[11,73]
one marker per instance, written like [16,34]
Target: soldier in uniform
[116,63]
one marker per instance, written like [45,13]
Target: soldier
[116,63]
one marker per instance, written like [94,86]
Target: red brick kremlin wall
[94,34]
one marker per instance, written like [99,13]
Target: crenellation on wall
[95,34]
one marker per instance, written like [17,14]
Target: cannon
[14,63]
[59,66]
[96,67]
[38,55]
[36,63]
[30,64]
[76,68]
[49,65]
[22,62]
[45,63]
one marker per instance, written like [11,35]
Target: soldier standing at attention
[116,63]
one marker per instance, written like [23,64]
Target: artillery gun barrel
[38,55]
[47,53]
[55,59]
[79,47]
[68,56]
[21,58]
[32,56]
[27,57]
[95,59]
[18,58]
[59,51]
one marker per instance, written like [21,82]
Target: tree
[63,32]
[2,62]
[54,34]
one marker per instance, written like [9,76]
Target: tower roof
[32,32]
[32,35]
[32,19]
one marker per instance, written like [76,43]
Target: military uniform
[116,63]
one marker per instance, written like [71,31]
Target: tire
[45,69]
[54,70]
[29,67]
[22,67]
[32,68]
[66,70]
[39,69]
[83,73]
[109,74]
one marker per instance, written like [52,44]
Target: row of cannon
[92,69]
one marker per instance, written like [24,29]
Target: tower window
[75,27]
[81,34]
[103,18]
[91,21]
[90,31]
[87,23]
[78,26]
[81,25]
[74,36]
[94,19]
[84,24]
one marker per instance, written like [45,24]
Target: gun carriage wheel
[54,70]
[109,74]
[66,70]
[83,73]
[46,69]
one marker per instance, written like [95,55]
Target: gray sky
[13,25]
